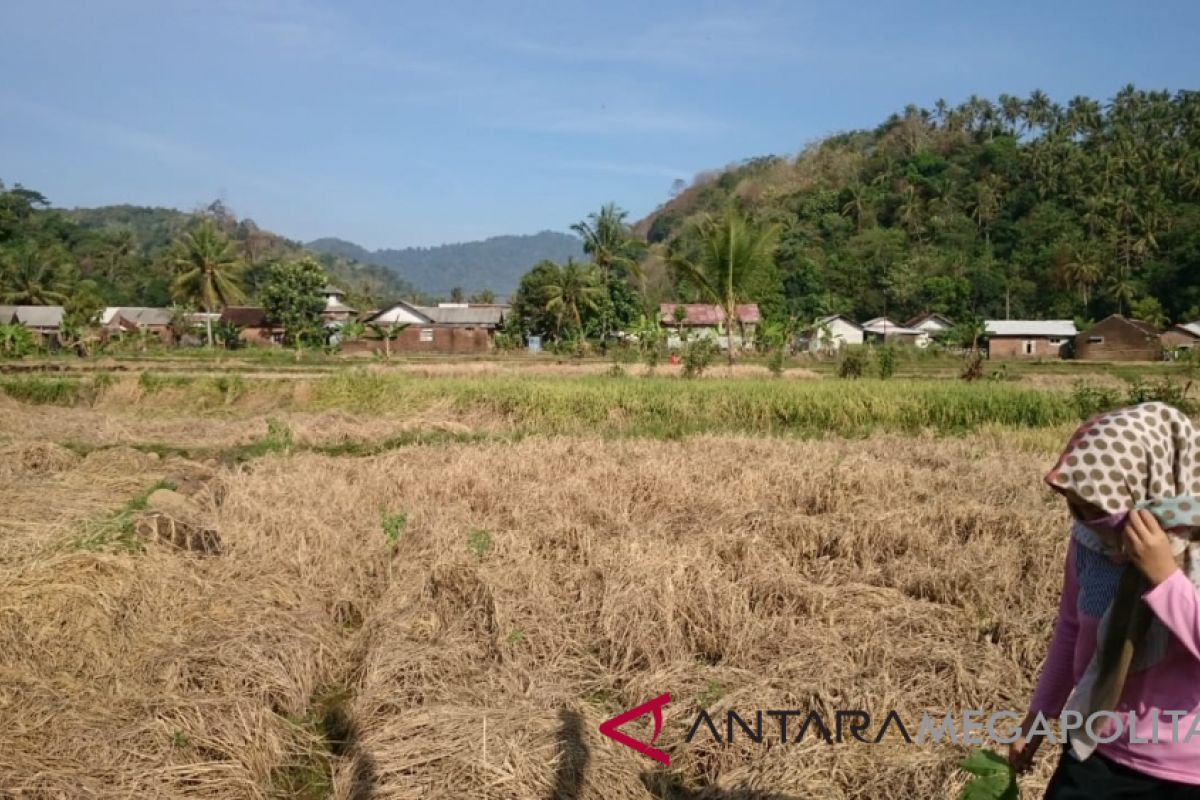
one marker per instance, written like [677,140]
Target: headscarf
[1146,456]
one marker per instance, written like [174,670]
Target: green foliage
[853,362]
[1090,400]
[885,361]
[698,355]
[37,390]
[116,530]
[292,299]
[393,525]
[230,387]
[228,335]
[479,542]
[133,255]
[152,382]
[16,341]
[994,778]
[1043,211]
[279,437]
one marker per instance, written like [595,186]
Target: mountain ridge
[494,263]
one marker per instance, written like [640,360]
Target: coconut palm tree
[574,289]
[208,270]
[607,239]
[732,250]
[32,277]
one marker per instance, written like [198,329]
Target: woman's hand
[1149,548]
[1022,751]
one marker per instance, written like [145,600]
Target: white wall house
[841,332]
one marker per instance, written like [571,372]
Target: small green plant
[279,437]
[479,542]
[230,387]
[393,527]
[713,692]
[515,636]
[179,739]
[853,363]
[994,778]
[116,530]
[698,356]
[885,361]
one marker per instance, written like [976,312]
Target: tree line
[1013,208]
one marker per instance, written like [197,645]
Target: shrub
[698,356]
[885,361]
[16,341]
[853,363]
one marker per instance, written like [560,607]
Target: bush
[16,341]
[775,362]
[698,356]
[42,391]
[853,363]
[885,361]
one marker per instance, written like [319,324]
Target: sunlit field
[433,581]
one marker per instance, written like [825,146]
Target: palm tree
[1121,287]
[574,289]
[208,270]
[732,250]
[607,239]
[1083,272]
[32,278]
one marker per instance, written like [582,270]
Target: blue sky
[400,123]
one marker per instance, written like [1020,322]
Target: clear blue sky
[402,123]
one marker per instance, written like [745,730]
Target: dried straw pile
[734,573]
[537,589]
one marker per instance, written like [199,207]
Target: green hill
[1017,207]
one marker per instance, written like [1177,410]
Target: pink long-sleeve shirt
[1171,685]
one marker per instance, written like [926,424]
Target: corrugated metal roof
[40,316]
[891,329]
[1191,327]
[469,315]
[825,320]
[938,320]
[707,314]
[245,316]
[1059,328]
[138,315]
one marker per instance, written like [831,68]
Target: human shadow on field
[569,776]
[341,735]
[667,787]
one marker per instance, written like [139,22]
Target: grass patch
[115,531]
[38,390]
[664,407]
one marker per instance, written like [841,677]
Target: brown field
[538,587]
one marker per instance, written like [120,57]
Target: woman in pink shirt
[1125,654]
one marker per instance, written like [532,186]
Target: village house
[445,328]
[156,321]
[1183,336]
[252,324]
[882,329]
[830,333]
[703,319]
[1118,338]
[45,322]
[930,324]
[1017,338]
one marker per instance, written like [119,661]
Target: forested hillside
[496,263]
[120,254]
[1018,207]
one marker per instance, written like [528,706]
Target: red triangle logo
[610,728]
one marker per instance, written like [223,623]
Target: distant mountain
[496,263]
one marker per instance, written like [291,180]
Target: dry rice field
[454,619]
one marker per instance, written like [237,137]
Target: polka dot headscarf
[1145,456]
